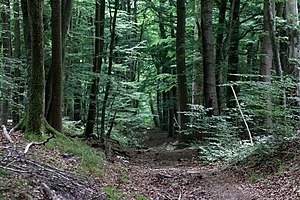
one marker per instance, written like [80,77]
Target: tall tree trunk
[6,41]
[294,44]
[36,88]
[17,94]
[221,91]
[180,66]
[275,48]
[99,47]
[210,90]
[65,16]
[27,37]
[164,63]
[54,116]
[197,66]
[109,70]
[266,63]
[233,52]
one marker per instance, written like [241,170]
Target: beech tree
[98,58]
[54,115]
[36,90]
[180,66]
[6,41]
[266,60]
[210,90]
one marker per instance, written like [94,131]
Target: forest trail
[160,172]
[157,171]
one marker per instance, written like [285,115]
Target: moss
[91,160]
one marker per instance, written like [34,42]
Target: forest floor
[156,171]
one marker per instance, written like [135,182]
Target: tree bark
[36,88]
[109,70]
[221,91]
[181,69]
[99,49]
[6,41]
[17,94]
[26,33]
[233,52]
[54,116]
[266,63]
[210,90]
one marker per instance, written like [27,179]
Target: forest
[150,99]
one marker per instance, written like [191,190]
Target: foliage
[224,136]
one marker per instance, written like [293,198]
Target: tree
[233,51]
[210,91]
[36,90]
[266,61]
[109,70]
[54,116]
[26,33]
[294,42]
[220,57]
[99,49]
[6,40]
[17,97]
[180,66]
[60,18]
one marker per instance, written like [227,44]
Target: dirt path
[159,173]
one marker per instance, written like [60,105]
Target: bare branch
[6,135]
[37,143]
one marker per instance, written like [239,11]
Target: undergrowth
[91,160]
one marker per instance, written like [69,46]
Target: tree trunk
[180,66]
[266,63]
[197,66]
[109,70]
[233,52]
[294,44]
[54,116]
[27,39]
[221,91]
[18,93]
[210,90]
[99,47]
[6,41]
[36,88]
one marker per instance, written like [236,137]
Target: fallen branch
[50,193]
[37,143]
[242,114]
[6,135]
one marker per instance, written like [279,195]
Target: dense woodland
[134,63]
[222,77]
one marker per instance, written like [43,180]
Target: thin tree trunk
[17,94]
[233,51]
[99,47]
[109,70]
[197,81]
[221,91]
[27,37]
[6,41]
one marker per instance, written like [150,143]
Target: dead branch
[37,143]
[50,193]
[6,135]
